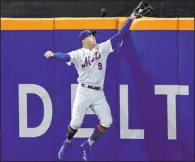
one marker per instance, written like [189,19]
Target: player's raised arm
[111,44]
[142,9]
[121,33]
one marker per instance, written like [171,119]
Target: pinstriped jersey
[91,64]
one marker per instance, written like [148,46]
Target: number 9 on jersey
[100,66]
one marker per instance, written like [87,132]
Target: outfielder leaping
[90,62]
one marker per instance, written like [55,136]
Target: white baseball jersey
[91,64]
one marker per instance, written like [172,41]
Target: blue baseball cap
[85,33]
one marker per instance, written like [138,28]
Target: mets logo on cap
[85,33]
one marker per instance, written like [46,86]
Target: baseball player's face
[90,41]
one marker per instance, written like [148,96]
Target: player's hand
[49,54]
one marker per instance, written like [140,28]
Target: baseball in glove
[142,9]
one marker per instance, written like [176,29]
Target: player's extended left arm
[121,33]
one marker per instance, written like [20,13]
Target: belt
[91,87]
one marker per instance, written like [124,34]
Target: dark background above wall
[91,8]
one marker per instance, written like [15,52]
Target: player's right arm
[59,56]
[73,56]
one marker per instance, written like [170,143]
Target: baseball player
[90,62]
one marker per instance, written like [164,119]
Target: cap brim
[93,33]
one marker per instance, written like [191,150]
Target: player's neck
[87,47]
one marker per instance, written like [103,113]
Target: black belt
[91,87]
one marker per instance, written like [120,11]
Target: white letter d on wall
[24,90]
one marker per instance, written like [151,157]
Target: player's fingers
[46,55]
[49,52]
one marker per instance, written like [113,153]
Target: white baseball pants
[88,98]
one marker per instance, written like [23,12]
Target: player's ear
[84,41]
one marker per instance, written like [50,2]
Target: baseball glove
[142,9]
